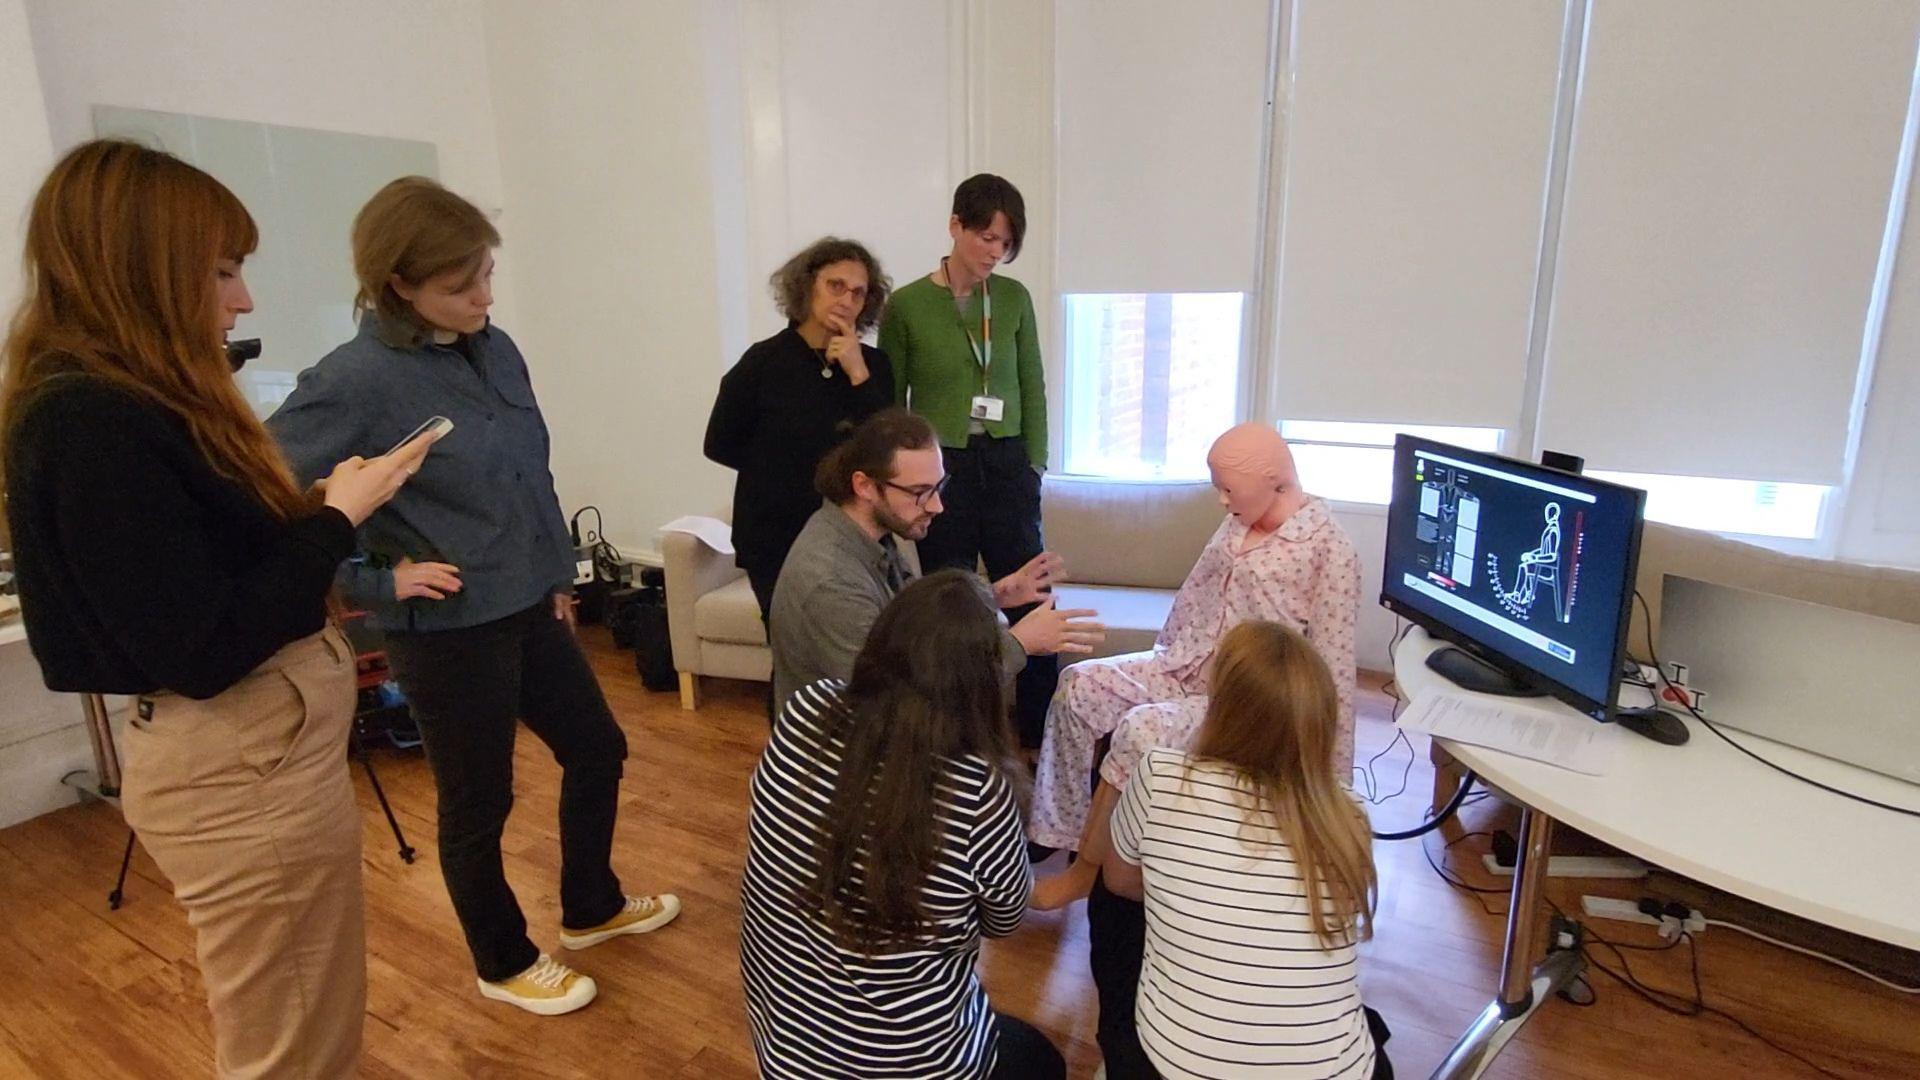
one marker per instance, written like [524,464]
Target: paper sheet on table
[712,532]
[1570,742]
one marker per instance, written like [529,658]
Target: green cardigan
[935,373]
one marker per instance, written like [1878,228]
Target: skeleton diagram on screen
[1538,567]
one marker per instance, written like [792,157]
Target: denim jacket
[484,498]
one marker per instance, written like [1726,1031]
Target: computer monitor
[1526,568]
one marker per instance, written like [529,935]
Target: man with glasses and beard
[883,483]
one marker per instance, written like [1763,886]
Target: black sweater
[773,421]
[140,568]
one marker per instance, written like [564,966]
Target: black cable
[1724,737]
[1478,893]
[1374,798]
[1434,821]
[1698,1006]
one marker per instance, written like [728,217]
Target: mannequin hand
[843,348]
[425,580]
[1029,583]
[1047,630]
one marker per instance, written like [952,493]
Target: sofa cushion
[1133,616]
[730,614]
[1137,534]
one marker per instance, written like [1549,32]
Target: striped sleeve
[1129,822]
[999,856]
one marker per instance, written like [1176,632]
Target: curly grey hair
[793,282]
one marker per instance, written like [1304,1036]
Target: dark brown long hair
[1271,716]
[926,689]
[122,246]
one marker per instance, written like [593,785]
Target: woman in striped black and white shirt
[1256,866]
[882,842]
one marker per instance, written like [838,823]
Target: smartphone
[437,427]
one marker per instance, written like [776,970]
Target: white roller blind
[1160,113]
[1727,193]
[1416,156]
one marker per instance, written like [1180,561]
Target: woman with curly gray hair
[794,396]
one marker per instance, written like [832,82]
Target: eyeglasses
[837,289]
[921,495]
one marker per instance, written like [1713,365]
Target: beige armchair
[712,616]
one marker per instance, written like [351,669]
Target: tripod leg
[120,883]
[406,852]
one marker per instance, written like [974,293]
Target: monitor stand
[1469,672]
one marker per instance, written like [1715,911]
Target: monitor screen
[1529,567]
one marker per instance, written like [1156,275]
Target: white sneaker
[640,915]
[548,988]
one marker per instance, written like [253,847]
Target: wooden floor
[90,993]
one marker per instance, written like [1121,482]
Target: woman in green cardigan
[966,355]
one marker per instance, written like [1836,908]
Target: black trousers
[1025,1053]
[761,580]
[1116,943]
[468,688]
[992,517]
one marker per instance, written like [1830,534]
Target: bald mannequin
[1279,556]
[1252,468]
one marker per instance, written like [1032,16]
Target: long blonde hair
[122,245]
[1271,716]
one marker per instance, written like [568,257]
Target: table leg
[1446,781]
[1523,986]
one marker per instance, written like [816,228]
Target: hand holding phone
[433,431]
[358,486]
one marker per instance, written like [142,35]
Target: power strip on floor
[1577,866]
[1606,907]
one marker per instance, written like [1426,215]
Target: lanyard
[982,355]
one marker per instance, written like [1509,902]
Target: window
[1750,507]
[1353,462]
[1152,379]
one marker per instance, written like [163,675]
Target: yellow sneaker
[640,915]
[548,988]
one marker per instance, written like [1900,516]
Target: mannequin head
[1253,471]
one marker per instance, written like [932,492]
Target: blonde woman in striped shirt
[1256,866]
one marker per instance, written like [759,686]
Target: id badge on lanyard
[986,406]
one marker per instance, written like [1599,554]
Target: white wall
[412,70]
[868,157]
[25,151]
[622,229]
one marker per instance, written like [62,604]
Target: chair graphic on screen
[1538,567]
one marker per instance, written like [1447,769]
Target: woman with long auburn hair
[469,574]
[1256,865]
[883,840]
[123,432]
